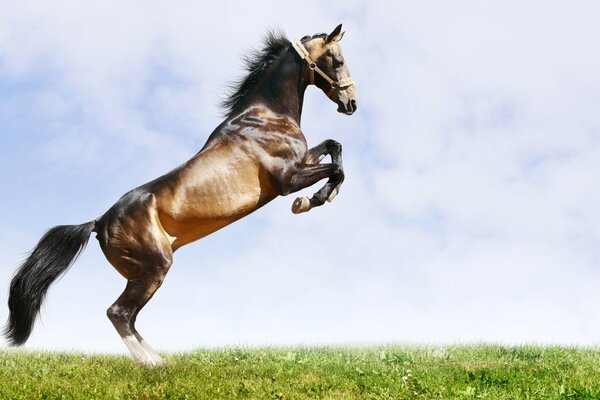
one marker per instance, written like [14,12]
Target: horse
[256,154]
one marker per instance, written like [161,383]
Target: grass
[388,372]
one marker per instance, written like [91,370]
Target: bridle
[312,67]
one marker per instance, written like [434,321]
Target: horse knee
[334,147]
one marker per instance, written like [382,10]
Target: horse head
[324,56]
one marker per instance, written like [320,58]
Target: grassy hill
[388,372]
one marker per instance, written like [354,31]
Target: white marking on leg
[152,353]
[333,194]
[137,351]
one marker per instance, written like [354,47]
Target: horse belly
[211,197]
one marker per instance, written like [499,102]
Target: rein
[312,67]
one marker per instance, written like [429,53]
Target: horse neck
[283,86]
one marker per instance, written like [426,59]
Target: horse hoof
[301,204]
[333,194]
[158,362]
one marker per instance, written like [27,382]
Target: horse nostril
[353,105]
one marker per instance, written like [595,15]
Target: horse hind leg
[124,311]
[145,345]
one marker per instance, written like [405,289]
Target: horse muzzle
[348,107]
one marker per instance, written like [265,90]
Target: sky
[470,210]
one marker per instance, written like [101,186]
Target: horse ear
[336,34]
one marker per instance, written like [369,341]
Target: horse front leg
[332,187]
[307,175]
[329,146]
[334,149]
[300,176]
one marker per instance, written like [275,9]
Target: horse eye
[338,63]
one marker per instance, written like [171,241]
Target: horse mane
[256,63]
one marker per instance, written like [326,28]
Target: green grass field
[387,372]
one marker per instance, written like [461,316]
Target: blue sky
[471,207]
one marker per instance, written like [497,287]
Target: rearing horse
[258,153]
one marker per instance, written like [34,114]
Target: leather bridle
[312,67]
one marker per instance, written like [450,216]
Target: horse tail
[53,255]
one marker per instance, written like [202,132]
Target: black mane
[256,62]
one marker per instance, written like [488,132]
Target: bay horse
[256,154]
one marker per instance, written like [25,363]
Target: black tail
[51,258]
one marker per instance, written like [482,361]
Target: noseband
[312,67]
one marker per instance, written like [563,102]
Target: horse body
[228,179]
[258,153]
